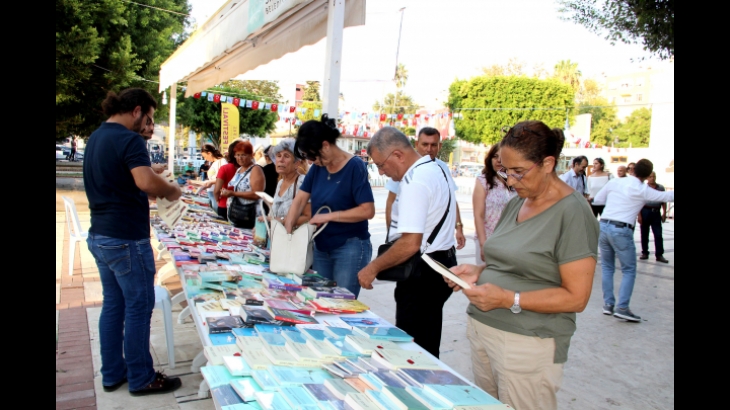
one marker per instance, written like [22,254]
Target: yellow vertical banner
[229,125]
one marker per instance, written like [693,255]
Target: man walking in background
[624,198]
[118,179]
[651,218]
[576,177]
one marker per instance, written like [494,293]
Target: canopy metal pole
[333,66]
[172,127]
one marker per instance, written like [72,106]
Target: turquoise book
[287,376]
[371,381]
[299,398]
[243,406]
[427,399]
[337,332]
[381,399]
[419,377]
[226,338]
[294,337]
[460,395]
[265,380]
[322,393]
[216,375]
[387,378]
[236,366]
[246,387]
[269,400]
[245,331]
[342,348]
[225,395]
[384,333]
[313,334]
[263,328]
[272,339]
[403,399]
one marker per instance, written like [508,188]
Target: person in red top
[225,174]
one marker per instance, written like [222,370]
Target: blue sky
[444,40]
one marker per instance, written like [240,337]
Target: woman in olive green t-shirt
[538,274]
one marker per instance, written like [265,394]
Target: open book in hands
[444,271]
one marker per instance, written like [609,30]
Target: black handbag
[411,267]
[242,215]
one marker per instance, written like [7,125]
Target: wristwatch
[516,308]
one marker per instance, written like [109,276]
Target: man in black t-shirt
[118,179]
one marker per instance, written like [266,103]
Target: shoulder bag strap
[443,218]
[387,233]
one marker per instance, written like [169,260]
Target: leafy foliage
[311,92]
[204,117]
[636,129]
[603,120]
[650,22]
[490,103]
[398,103]
[568,72]
[401,76]
[109,45]
[312,107]
[447,147]
[514,67]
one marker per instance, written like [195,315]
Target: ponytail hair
[535,141]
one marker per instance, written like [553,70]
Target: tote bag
[293,253]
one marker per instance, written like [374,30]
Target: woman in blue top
[339,180]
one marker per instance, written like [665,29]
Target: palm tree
[568,72]
[401,76]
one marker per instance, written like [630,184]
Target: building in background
[629,91]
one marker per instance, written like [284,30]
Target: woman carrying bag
[241,192]
[338,181]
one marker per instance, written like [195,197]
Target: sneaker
[626,314]
[608,309]
[115,386]
[644,256]
[161,384]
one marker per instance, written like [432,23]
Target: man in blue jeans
[624,198]
[118,179]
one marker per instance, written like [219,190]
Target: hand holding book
[459,277]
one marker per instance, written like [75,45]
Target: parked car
[62,152]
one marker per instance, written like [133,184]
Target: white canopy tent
[245,34]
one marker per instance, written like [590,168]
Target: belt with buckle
[617,223]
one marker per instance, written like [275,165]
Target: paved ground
[612,364]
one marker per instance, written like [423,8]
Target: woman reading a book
[290,180]
[340,181]
[538,274]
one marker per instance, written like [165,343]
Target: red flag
[274,107]
[236,101]
[216,98]
[400,117]
[365,134]
[196,96]
[255,105]
[418,115]
[357,128]
[383,117]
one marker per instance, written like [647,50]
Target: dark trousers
[652,218]
[419,303]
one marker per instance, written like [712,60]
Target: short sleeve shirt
[343,190]
[112,152]
[527,256]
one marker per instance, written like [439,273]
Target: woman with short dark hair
[538,273]
[211,154]
[339,180]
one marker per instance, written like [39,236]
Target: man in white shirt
[576,177]
[426,205]
[428,144]
[624,198]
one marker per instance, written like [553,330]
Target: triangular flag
[267,106]
[292,109]
[316,113]
[255,105]
[216,98]
[236,101]
[196,96]
[204,94]
[210,97]
[224,98]
[242,103]
[249,104]
[275,107]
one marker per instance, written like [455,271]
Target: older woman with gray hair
[287,166]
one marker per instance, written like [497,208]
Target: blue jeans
[127,271]
[213,202]
[615,241]
[343,264]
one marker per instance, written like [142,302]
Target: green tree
[258,89]
[568,72]
[636,129]
[603,119]
[312,108]
[447,147]
[514,67]
[488,104]
[589,90]
[109,45]
[401,76]
[311,92]
[204,117]
[398,103]
[650,22]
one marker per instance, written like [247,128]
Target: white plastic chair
[162,301]
[75,233]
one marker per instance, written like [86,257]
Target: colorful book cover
[388,378]
[380,399]
[264,328]
[339,388]
[288,376]
[272,339]
[245,331]
[341,347]
[427,399]
[292,317]
[216,375]
[365,321]
[320,392]
[272,400]
[218,339]
[249,342]
[265,380]
[313,334]
[225,395]
[337,332]
[255,315]
[224,324]
[371,381]
[298,397]
[420,377]
[403,399]
[246,387]
[383,333]
[357,384]
[460,395]
[294,337]
[236,365]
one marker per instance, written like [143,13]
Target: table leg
[203,390]
[198,362]
[183,314]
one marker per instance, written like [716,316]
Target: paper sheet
[171,211]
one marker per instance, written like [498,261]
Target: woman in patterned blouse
[490,197]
